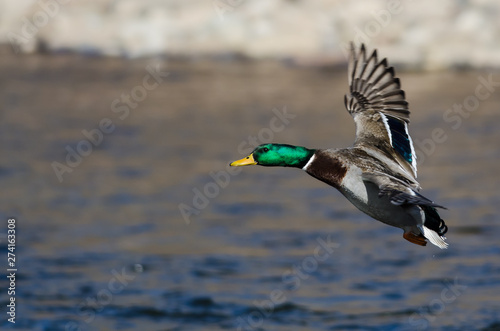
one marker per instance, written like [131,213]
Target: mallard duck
[378,174]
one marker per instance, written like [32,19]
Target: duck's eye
[265,149]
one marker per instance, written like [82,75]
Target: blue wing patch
[400,138]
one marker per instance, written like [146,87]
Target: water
[262,249]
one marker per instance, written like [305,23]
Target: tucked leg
[415,239]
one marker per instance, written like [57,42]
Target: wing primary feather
[392,93]
[374,89]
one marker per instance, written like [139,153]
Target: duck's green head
[277,155]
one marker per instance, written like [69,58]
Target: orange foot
[414,239]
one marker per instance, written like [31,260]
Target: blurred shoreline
[327,64]
[451,35]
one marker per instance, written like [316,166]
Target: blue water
[262,249]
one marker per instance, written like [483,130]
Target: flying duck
[378,174]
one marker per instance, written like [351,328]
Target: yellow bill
[249,160]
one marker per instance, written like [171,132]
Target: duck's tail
[434,227]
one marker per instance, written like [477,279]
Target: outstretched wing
[380,111]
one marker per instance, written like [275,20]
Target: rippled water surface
[107,248]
